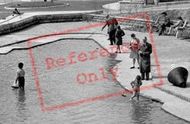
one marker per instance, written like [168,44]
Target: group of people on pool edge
[139,52]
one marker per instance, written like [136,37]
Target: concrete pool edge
[18,22]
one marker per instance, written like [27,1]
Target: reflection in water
[21,107]
[21,96]
[21,112]
[140,112]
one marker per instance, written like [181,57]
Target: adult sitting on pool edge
[162,22]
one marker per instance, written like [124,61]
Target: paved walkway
[171,52]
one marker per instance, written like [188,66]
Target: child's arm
[17,75]
[16,80]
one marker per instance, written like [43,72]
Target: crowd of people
[140,52]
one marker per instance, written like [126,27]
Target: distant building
[10,1]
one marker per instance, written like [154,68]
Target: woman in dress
[119,34]
[134,46]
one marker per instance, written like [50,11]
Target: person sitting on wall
[16,12]
[179,26]
[179,23]
[162,22]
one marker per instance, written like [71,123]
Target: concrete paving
[169,53]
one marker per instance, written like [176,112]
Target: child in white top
[20,76]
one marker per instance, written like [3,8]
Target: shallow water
[59,86]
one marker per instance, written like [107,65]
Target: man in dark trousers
[145,61]
[112,26]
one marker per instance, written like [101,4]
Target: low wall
[129,24]
[37,19]
[131,7]
[135,24]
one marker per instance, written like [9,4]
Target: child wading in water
[136,87]
[20,76]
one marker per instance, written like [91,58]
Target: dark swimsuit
[21,82]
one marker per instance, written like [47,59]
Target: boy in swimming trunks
[20,76]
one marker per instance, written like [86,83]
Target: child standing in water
[136,87]
[20,76]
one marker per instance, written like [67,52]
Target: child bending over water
[136,87]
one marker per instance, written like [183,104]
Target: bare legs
[175,30]
[118,48]
[135,94]
[134,61]
[169,32]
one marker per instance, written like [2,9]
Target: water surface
[59,85]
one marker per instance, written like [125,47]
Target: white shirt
[20,73]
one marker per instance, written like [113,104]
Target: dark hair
[145,38]
[164,13]
[107,16]
[138,77]
[20,65]
[180,18]
[118,27]
[132,35]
